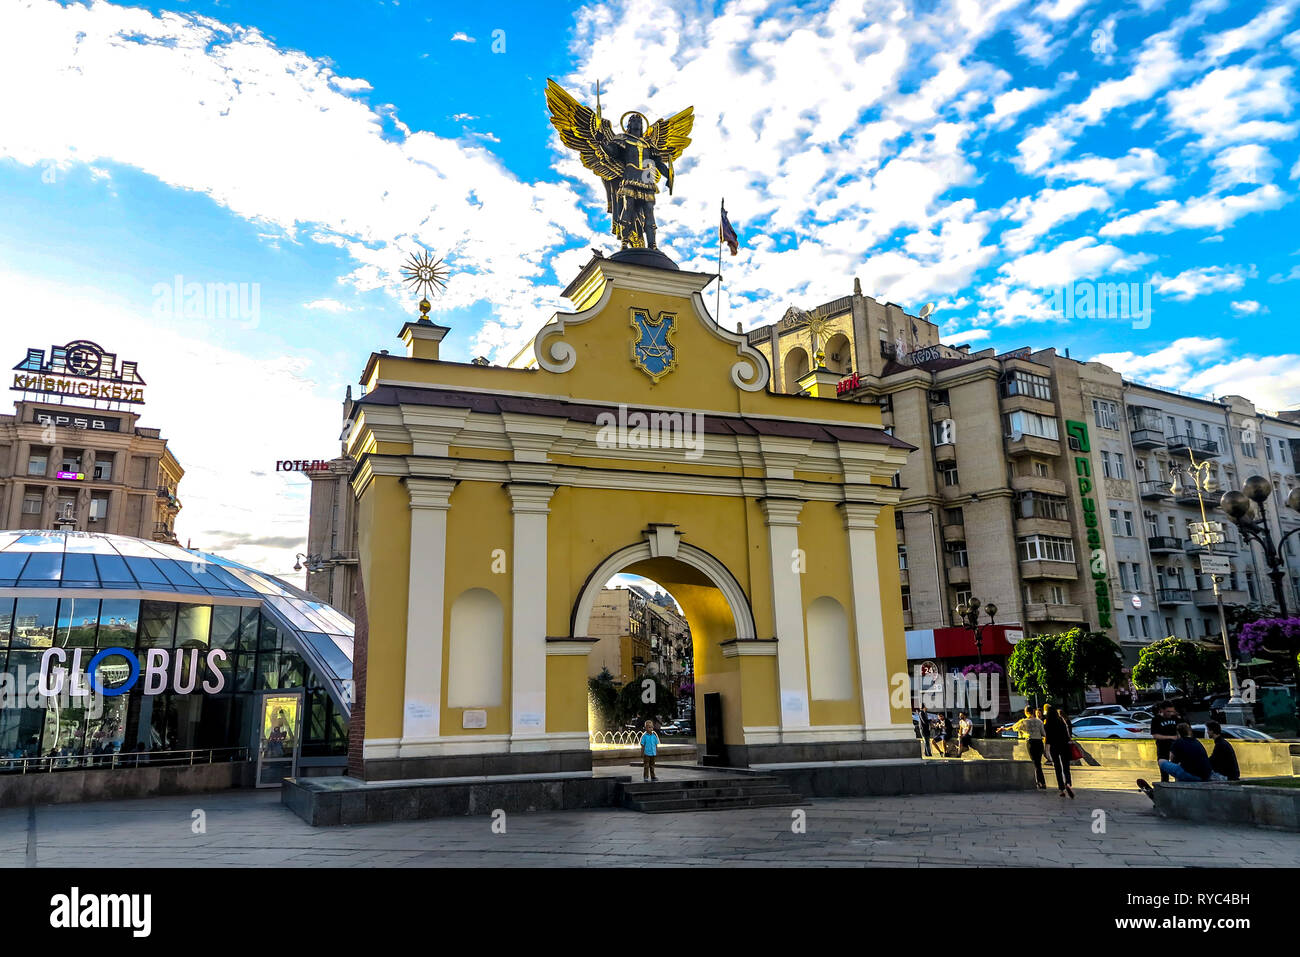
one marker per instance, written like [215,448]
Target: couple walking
[1053,729]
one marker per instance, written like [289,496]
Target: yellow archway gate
[633,434]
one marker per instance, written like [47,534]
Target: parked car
[1102,709]
[1234,731]
[1108,726]
[675,727]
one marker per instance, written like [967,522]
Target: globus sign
[158,666]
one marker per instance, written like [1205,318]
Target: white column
[868,626]
[421,713]
[530,505]
[787,610]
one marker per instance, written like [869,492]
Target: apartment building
[637,630]
[332,528]
[80,468]
[1043,484]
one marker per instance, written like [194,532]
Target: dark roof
[713,423]
[893,367]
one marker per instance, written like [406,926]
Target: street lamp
[970,615]
[1209,534]
[1236,505]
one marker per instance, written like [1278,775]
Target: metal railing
[123,759]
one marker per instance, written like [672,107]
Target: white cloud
[1048,209]
[1170,366]
[1202,366]
[1139,166]
[1251,35]
[1068,261]
[462,38]
[1196,282]
[326,305]
[1229,105]
[1248,163]
[1009,105]
[1247,307]
[1203,212]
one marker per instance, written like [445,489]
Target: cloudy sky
[978,154]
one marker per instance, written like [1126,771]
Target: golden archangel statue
[630,163]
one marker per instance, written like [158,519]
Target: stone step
[708,793]
[663,805]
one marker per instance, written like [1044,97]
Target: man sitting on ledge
[1222,759]
[1187,761]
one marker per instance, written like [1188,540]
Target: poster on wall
[279,735]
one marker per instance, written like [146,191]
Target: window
[953,516]
[1223,439]
[898,521]
[963,597]
[1250,586]
[1152,528]
[1056,594]
[1281,449]
[1029,423]
[98,508]
[1105,414]
[1132,626]
[1187,623]
[1114,521]
[38,462]
[941,432]
[1042,470]
[950,477]
[1146,624]
[1169,626]
[1268,448]
[103,470]
[71,462]
[1045,548]
[1123,574]
[1137,577]
[1038,505]
[1173,526]
[1128,524]
[32,503]
[907,598]
[960,557]
[1026,383]
[1121,470]
[902,557]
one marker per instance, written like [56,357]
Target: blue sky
[972,153]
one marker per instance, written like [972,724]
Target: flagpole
[721,207]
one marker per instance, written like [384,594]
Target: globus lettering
[158,662]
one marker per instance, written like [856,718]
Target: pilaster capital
[530,497]
[860,515]
[430,492]
[781,511]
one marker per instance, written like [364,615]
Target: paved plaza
[252,829]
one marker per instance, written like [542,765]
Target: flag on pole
[726,234]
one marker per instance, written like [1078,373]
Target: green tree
[603,694]
[1061,666]
[1185,663]
[645,697]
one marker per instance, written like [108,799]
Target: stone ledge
[1230,803]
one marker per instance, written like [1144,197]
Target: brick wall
[361,641]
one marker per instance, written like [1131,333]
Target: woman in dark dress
[1056,732]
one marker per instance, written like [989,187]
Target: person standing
[649,748]
[1164,728]
[1223,759]
[1031,730]
[1057,734]
[964,729]
[939,734]
[923,728]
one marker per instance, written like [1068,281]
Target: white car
[1108,726]
[1234,732]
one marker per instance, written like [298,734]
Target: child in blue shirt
[649,748]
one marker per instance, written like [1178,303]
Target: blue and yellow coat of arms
[652,349]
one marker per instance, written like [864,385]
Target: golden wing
[673,135]
[580,130]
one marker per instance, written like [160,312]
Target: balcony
[1024,444]
[1183,444]
[1173,596]
[1042,570]
[1164,545]
[1038,483]
[1027,403]
[945,454]
[1047,611]
[1155,490]
[1191,548]
[1037,525]
[1231,596]
[163,533]
[1147,438]
[902,577]
[958,575]
[940,411]
[954,533]
[1188,496]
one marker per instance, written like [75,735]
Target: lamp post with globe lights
[1253,523]
[1208,534]
[969,614]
